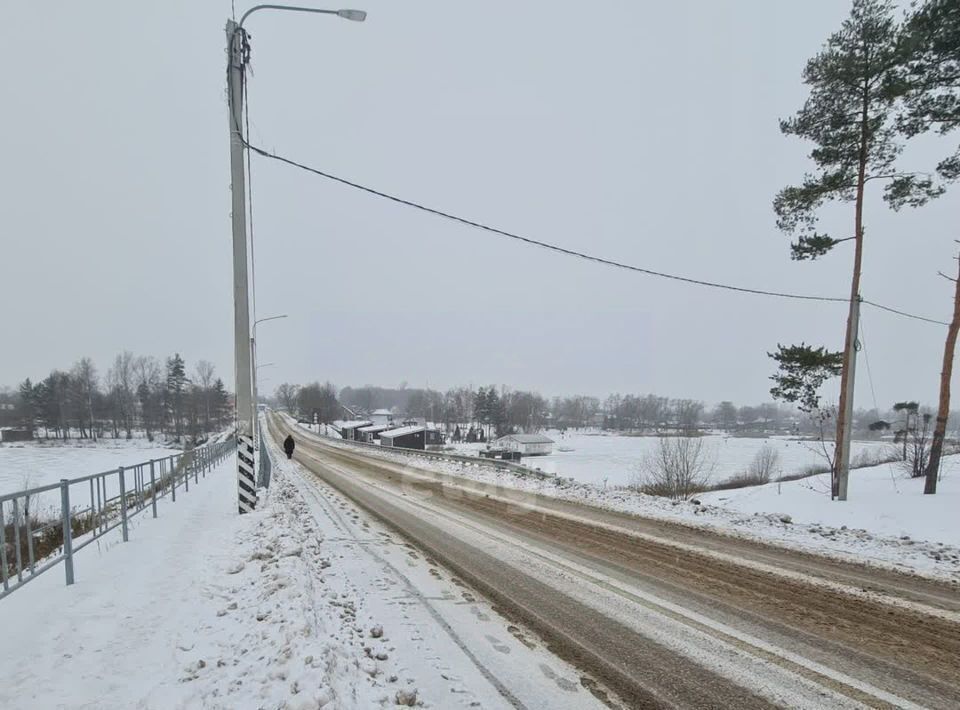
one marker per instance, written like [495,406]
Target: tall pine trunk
[848,351]
[943,411]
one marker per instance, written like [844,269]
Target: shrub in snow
[763,465]
[679,467]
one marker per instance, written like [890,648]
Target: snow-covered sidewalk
[305,603]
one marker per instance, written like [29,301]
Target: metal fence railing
[265,465]
[44,526]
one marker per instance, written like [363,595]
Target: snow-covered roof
[402,431]
[382,412]
[355,424]
[528,438]
[374,428]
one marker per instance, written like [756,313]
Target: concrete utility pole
[842,463]
[244,340]
[246,482]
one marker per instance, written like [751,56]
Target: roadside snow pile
[886,522]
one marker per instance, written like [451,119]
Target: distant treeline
[137,393]
[502,410]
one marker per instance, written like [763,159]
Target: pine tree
[220,402]
[848,116]
[931,84]
[931,91]
[175,391]
[28,403]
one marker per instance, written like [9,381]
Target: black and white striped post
[246,481]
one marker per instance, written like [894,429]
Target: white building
[526,444]
[371,433]
[382,416]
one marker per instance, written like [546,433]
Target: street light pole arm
[355,15]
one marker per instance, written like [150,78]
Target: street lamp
[354,15]
[244,344]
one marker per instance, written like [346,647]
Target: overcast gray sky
[643,132]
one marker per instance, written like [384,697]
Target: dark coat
[288,445]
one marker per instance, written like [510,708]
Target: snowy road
[666,616]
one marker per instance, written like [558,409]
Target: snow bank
[881,500]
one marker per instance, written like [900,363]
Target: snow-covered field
[614,459]
[37,463]
[305,603]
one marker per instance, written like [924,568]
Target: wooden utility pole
[946,373]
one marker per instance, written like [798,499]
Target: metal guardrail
[30,545]
[439,456]
[265,465]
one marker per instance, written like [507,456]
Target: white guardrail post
[67,529]
[123,505]
[153,489]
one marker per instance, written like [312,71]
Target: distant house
[382,416]
[525,444]
[411,437]
[371,433]
[348,430]
[9,433]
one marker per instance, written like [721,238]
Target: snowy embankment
[886,522]
[881,500]
[38,463]
[288,607]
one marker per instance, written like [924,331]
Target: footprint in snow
[562,683]
[497,645]
[479,614]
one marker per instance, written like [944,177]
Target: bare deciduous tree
[763,465]
[678,468]
[203,379]
[120,380]
[83,376]
[286,394]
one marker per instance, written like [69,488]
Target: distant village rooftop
[528,438]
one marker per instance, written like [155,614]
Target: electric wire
[547,245]
[905,314]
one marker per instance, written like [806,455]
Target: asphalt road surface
[661,615]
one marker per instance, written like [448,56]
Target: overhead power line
[555,248]
[905,314]
[536,242]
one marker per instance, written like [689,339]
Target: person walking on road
[288,445]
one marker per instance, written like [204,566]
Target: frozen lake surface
[37,463]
